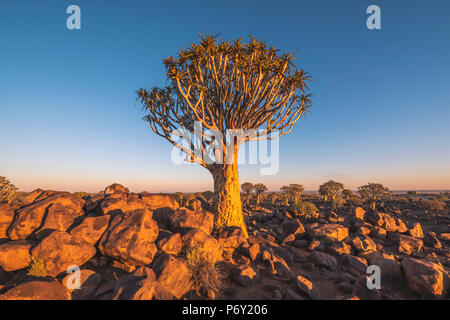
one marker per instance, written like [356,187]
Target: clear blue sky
[381,97]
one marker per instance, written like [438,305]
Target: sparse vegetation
[7,190]
[37,268]
[204,274]
[259,189]
[329,190]
[285,193]
[81,194]
[432,205]
[373,192]
[306,208]
[247,188]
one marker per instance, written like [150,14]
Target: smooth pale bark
[227,202]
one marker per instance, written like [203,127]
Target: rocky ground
[135,246]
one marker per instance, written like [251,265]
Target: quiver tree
[273,198]
[295,192]
[348,194]
[330,189]
[217,86]
[285,193]
[7,190]
[373,192]
[247,188]
[259,190]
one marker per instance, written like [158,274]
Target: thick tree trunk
[227,202]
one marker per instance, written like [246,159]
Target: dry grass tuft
[37,268]
[204,274]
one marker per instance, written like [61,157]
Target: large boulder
[305,286]
[183,219]
[431,240]
[324,260]
[357,213]
[60,250]
[91,229]
[6,218]
[93,201]
[58,218]
[206,244]
[36,195]
[424,278]
[401,226]
[116,188]
[416,230]
[391,273]
[130,238]
[335,232]
[172,275]
[37,290]
[356,266]
[162,206]
[230,237]
[375,218]
[62,207]
[409,245]
[15,255]
[445,236]
[170,243]
[362,243]
[244,275]
[89,281]
[120,203]
[158,201]
[292,227]
[138,285]
[390,225]
[361,290]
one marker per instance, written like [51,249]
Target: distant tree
[81,194]
[259,189]
[274,197]
[411,192]
[208,195]
[7,190]
[432,205]
[285,193]
[295,191]
[179,197]
[329,190]
[247,188]
[348,194]
[307,209]
[225,86]
[373,192]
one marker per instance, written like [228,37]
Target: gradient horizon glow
[381,97]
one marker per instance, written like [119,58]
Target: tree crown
[373,191]
[331,188]
[227,85]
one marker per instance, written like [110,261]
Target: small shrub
[433,205]
[306,208]
[204,274]
[7,191]
[37,268]
[81,194]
